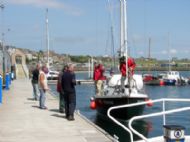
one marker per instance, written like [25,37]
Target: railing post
[164,109]
[7,81]
[1,86]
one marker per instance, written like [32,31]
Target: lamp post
[2,42]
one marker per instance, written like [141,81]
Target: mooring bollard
[9,78]
[174,133]
[7,81]
[1,89]
[12,76]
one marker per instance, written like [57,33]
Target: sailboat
[173,77]
[112,94]
[51,75]
[150,78]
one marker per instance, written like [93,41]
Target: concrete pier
[22,121]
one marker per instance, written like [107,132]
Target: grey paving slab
[22,121]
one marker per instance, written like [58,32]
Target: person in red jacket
[99,78]
[96,72]
[131,67]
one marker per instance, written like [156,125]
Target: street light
[2,8]
[2,44]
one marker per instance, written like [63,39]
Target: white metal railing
[163,113]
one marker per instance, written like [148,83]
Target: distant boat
[52,75]
[150,79]
[112,94]
[174,78]
[170,78]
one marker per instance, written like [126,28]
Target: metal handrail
[152,115]
[164,112]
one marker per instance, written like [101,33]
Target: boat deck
[22,121]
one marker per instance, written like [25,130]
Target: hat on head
[122,59]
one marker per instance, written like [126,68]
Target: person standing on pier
[68,84]
[60,90]
[43,86]
[35,74]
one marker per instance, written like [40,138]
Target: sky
[83,27]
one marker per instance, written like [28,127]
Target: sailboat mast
[113,50]
[125,33]
[149,45]
[112,37]
[169,60]
[121,29]
[47,37]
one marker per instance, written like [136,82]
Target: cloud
[138,38]
[164,52]
[73,40]
[185,51]
[141,53]
[69,40]
[173,51]
[55,4]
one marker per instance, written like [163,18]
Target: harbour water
[148,127]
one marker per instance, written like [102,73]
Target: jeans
[35,91]
[42,98]
[99,87]
[70,103]
[123,78]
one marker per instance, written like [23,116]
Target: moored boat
[170,78]
[115,93]
[52,75]
[150,79]
[113,96]
[174,78]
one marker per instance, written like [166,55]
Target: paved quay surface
[22,121]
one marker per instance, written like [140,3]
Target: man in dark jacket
[68,85]
[35,74]
[60,90]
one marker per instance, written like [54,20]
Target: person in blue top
[68,85]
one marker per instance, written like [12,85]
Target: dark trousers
[61,102]
[70,103]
